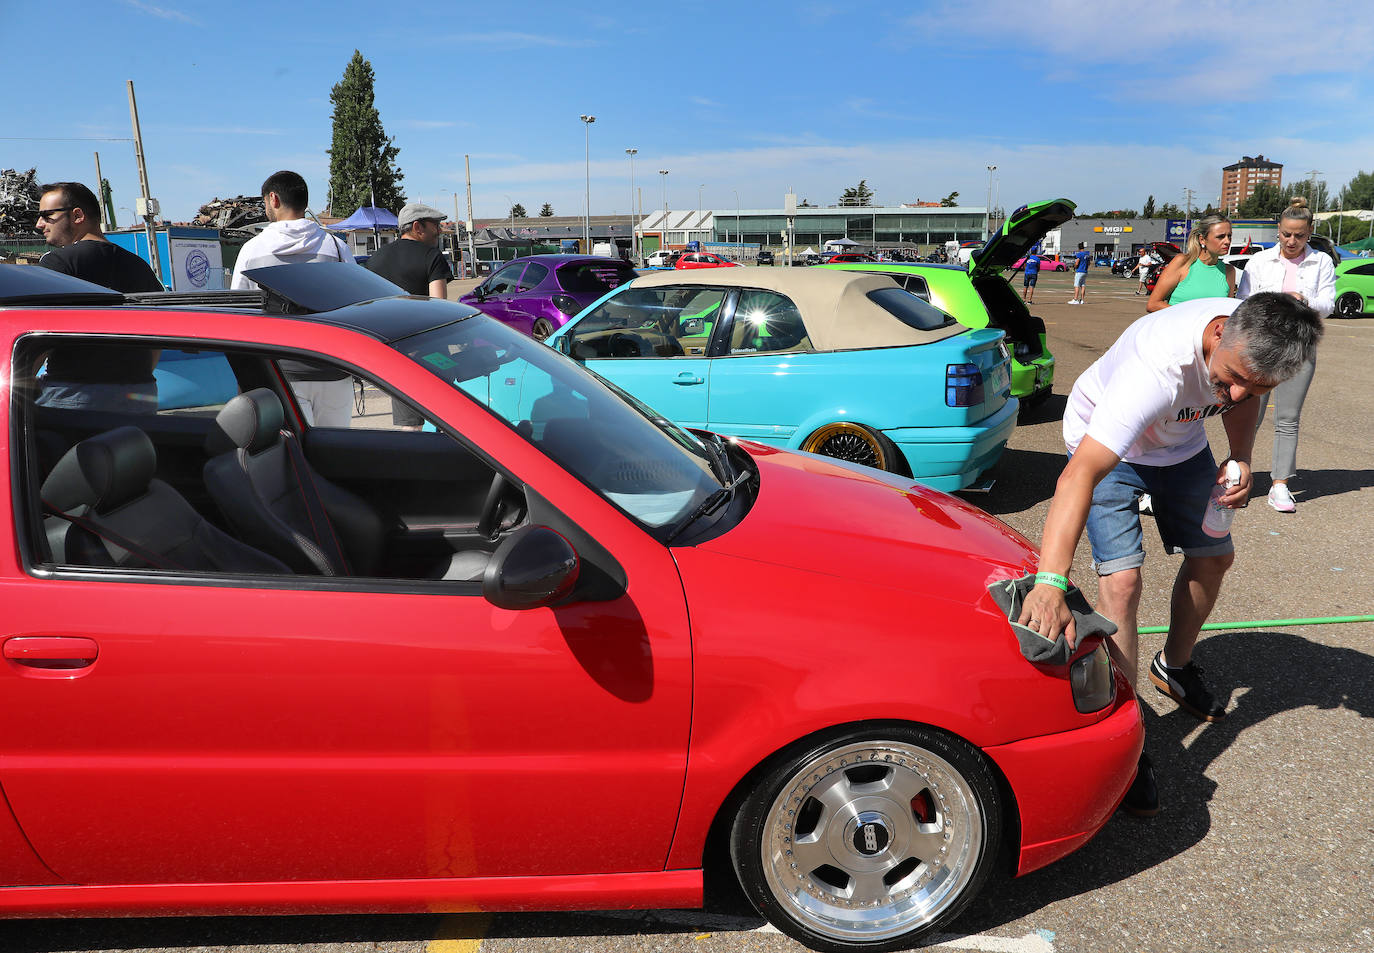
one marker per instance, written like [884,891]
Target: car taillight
[568,305]
[963,385]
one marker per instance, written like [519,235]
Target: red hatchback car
[704,259]
[547,656]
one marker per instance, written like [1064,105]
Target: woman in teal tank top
[1199,272]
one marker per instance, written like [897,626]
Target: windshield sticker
[441,361]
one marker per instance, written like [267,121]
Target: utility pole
[1312,189]
[148,207]
[472,248]
[106,201]
[634,227]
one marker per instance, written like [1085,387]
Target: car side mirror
[693,326]
[533,567]
[563,345]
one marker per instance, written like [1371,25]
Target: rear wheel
[868,841]
[543,327]
[856,444]
[1350,304]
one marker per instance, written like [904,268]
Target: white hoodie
[282,243]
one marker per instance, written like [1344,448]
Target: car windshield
[651,469]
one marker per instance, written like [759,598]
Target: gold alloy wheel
[852,442]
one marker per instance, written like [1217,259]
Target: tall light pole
[1312,189]
[988,216]
[663,229]
[739,236]
[634,228]
[587,218]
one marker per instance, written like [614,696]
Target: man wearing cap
[415,263]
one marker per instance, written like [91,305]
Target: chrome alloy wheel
[1350,304]
[872,840]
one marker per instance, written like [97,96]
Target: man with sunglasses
[85,377]
[69,218]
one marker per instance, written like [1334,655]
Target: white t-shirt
[1147,397]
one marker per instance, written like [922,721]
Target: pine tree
[1149,210]
[860,195]
[546,211]
[517,211]
[362,159]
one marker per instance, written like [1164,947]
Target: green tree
[860,195]
[362,159]
[948,200]
[1169,210]
[546,211]
[1264,202]
[1149,210]
[1359,191]
[517,211]
[1318,198]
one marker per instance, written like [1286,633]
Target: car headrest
[102,472]
[251,421]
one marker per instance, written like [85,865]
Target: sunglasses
[47,215]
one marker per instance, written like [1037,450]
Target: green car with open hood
[980,297]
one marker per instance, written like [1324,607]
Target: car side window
[767,321]
[504,281]
[666,321]
[1361,270]
[534,274]
[915,284]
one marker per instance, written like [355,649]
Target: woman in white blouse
[1294,267]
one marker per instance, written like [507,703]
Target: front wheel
[1350,304]
[869,841]
[542,328]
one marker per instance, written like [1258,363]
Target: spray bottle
[1217,520]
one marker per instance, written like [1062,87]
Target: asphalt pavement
[1266,839]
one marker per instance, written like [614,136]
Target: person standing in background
[1199,272]
[1032,266]
[1082,260]
[1295,268]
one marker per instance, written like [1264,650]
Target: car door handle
[50,652]
[685,379]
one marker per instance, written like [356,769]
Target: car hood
[825,516]
[1019,234]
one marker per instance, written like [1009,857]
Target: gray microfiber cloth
[1010,593]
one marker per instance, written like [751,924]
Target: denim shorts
[1029,281]
[1178,495]
[1080,278]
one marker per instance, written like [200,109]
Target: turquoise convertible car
[846,365]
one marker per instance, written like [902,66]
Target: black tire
[907,818]
[856,443]
[542,328]
[1350,305]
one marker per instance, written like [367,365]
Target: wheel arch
[860,417]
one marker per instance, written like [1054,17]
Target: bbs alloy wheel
[543,327]
[852,442]
[869,841]
[1350,305]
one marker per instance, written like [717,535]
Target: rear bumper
[1033,380]
[1068,785]
[951,458]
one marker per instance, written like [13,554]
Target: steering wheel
[624,345]
[491,507]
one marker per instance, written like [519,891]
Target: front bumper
[1067,785]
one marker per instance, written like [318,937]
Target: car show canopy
[369,216]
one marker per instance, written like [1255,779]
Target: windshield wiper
[715,446]
[715,501]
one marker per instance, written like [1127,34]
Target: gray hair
[1276,334]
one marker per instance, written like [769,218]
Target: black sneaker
[1185,686]
[1142,797]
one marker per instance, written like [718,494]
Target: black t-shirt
[410,264]
[103,263]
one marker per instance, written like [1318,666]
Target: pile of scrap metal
[239,212]
[19,196]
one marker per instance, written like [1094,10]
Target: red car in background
[552,654]
[704,259]
[849,256]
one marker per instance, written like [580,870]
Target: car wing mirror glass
[533,567]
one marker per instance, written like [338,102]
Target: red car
[547,655]
[850,256]
[704,259]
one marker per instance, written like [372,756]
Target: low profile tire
[856,444]
[542,328]
[1350,304]
[870,840]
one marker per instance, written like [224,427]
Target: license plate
[1000,378]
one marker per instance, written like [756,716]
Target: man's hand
[1046,611]
[1238,497]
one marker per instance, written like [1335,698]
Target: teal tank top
[1202,281]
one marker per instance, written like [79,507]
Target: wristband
[1052,579]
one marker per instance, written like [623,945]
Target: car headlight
[1091,680]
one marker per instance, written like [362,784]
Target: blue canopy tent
[368,216]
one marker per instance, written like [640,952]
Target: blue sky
[1103,104]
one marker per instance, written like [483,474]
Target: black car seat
[107,509]
[272,497]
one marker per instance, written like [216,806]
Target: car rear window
[594,277]
[909,309]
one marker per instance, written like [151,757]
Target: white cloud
[162,12]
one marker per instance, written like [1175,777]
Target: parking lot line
[460,933]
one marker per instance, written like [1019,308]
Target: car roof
[834,304]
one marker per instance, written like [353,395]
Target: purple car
[538,294]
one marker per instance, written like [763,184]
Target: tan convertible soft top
[834,305]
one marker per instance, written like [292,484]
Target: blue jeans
[116,398]
[1179,495]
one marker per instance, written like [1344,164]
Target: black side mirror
[533,567]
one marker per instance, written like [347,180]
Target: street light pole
[587,219]
[634,228]
[739,236]
[1312,189]
[663,227]
[987,216]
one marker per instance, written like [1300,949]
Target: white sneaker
[1282,500]
[1145,504]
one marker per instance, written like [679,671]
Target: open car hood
[1019,233]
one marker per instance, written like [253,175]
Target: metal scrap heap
[19,197]
[238,212]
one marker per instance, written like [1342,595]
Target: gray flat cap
[418,211]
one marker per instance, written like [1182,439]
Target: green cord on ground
[1265,623]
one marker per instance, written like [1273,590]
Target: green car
[980,297]
[1354,287]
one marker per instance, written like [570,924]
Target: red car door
[182,729]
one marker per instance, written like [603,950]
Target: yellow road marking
[459,933]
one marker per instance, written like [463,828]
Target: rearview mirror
[533,567]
